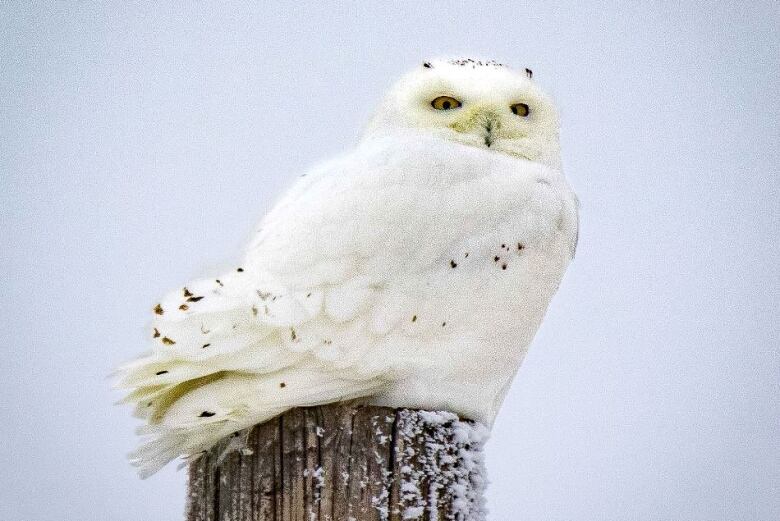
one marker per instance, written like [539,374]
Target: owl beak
[488,132]
[480,120]
[487,126]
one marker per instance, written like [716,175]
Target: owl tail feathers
[195,419]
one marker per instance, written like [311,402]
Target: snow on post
[344,462]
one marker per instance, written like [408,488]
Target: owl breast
[438,262]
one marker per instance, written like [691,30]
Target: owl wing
[331,270]
[274,333]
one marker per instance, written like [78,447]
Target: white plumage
[413,271]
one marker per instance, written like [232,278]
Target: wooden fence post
[344,462]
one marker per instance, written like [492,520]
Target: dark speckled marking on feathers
[465,62]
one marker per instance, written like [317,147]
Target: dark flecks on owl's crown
[465,62]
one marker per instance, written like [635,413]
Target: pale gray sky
[139,145]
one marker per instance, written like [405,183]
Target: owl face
[481,104]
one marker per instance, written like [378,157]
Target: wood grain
[343,462]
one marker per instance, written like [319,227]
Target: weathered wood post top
[344,462]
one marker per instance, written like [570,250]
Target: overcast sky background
[139,146]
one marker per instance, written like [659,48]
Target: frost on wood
[344,463]
[441,466]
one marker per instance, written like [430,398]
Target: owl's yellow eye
[521,109]
[445,103]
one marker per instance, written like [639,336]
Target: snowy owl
[412,271]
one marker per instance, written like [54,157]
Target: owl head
[478,103]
